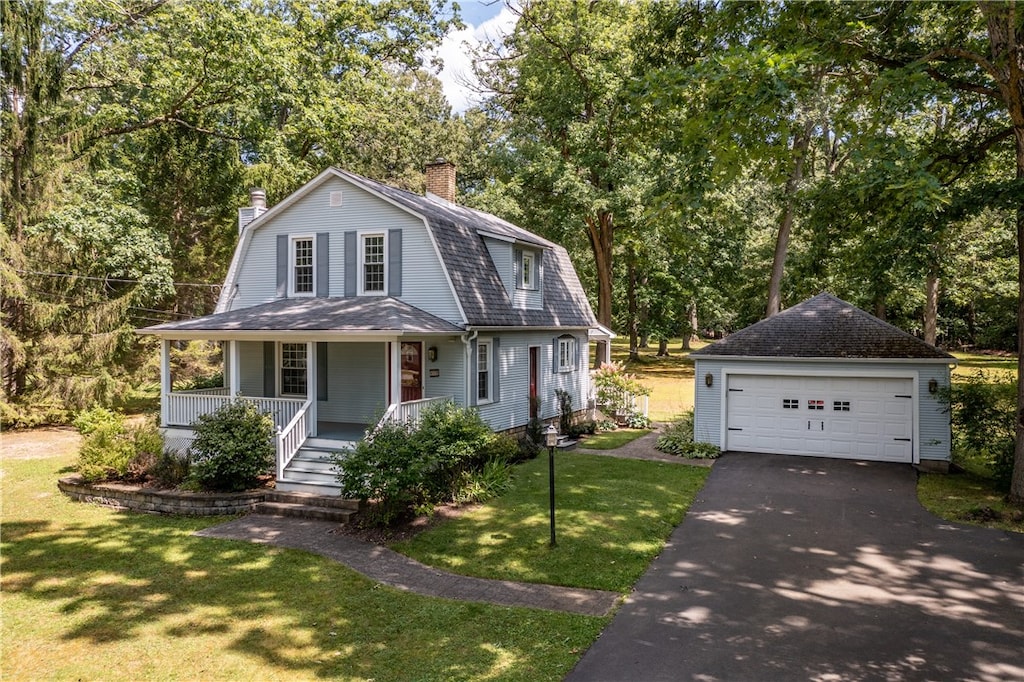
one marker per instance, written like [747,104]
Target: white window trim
[530,285]
[571,343]
[280,370]
[292,238]
[490,370]
[361,259]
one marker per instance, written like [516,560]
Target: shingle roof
[477,283]
[365,314]
[823,327]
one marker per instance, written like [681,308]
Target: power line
[111,279]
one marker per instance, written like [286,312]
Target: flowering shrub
[616,388]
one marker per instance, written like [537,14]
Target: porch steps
[308,506]
[311,471]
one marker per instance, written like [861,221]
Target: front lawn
[612,517]
[967,498]
[609,440]
[90,593]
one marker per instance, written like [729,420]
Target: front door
[534,396]
[412,371]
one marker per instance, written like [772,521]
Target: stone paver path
[391,568]
[643,448]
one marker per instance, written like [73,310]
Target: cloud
[457,79]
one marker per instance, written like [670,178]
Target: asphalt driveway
[797,568]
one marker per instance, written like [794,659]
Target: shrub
[491,481]
[528,449]
[588,427]
[635,420]
[232,447]
[535,431]
[452,440]
[677,439]
[170,469]
[564,411]
[983,410]
[113,451]
[607,425]
[616,388]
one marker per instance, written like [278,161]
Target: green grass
[612,517]
[609,440]
[90,593]
[971,363]
[965,498]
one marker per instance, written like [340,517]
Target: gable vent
[336,199]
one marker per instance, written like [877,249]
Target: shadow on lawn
[132,576]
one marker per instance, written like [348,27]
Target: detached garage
[825,379]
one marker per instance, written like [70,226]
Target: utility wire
[111,279]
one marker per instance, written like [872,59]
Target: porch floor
[349,431]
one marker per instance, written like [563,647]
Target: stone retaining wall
[136,498]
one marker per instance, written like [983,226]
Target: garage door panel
[856,417]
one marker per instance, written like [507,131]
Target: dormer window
[373,264]
[303,264]
[528,270]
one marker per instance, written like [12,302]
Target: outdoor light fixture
[709,379]
[432,353]
[933,386]
[551,437]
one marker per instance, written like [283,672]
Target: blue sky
[485,21]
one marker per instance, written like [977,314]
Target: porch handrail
[291,437]
[213,390]
[406,413]
[183,408]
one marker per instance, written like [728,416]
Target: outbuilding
[825,379]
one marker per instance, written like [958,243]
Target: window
[529,271]
[790,404]
[840,405]
[815,404]
[293,369]
[373,272]
[483,371]
[566,354]
[302,259]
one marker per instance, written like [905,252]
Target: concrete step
[329,445]
[290,485]
[324,465]
[333,501]
[306,511]
[310,475]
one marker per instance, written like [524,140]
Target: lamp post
[551,436]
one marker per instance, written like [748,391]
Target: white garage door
[846,417]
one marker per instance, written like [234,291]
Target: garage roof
[823,327]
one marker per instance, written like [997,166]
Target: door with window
[412,371]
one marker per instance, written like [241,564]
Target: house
[825,379]
[351,299]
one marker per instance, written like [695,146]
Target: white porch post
[606,351]
[165,379]
[396,371]
[234,365]
[311,387]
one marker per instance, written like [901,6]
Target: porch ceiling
[362,315]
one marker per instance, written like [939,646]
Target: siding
[356,383]
[450,364]
[513,410]
[423,282]
[501,255]
[250,354]
[932,419]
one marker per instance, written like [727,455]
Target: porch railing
[184,407]
[291,437]
[407,413]
[613,397]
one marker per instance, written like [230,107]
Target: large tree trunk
[1006,40]
[634,318]
[662,348]
[690,332]
[599,231]
[800,145]
[931,307]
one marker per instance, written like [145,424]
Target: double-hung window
[483,371]
[566,354]
[303,262]
[373,264]
[293,369]
[528,271]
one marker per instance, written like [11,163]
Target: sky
[486,21]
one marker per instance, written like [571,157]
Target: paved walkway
[399,571]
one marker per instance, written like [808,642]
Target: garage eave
[776,358]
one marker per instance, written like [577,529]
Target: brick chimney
[441,180]
[257,207]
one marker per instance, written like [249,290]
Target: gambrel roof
[823,327]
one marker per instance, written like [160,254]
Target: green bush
[233,446]
[403,467]
[565,411]
[677,439]
[170,469]
[113,451]
[983,410]
[489,482]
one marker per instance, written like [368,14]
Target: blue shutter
[321,371]
[579,352]
[323,260]
[495,369]
[282,265]
[269,369]
[394,262]
[540,271]
[472,397]
[517,268]
[554,355]
[351,259]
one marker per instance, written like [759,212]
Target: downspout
[467,341]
